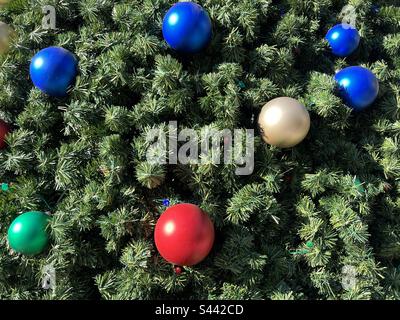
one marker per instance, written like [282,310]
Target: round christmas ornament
[358,86]
[184,234]
[343,39]
[6,33]
[53,70]
[359,185]
[187,27]
[4,130]
[166,202]
[178,270]
[27,233]
[284,122]
[375,8]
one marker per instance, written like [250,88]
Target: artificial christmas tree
[86,154]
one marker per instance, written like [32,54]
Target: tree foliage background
[82,158]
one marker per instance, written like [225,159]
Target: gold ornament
[284,122]
[6,33]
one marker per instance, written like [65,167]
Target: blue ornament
[53,70]
[165,202]
[187,27]
[358,86]
[282,11]
[375,8]
[343,39]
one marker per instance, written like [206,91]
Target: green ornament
[4,186]
[27,233]
[241,85]
[359,185]
[309,244]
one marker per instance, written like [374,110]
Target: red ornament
[4,130]
[288,178]
[184,234]
[178,270]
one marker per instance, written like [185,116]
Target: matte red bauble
[4,129]
[184,234]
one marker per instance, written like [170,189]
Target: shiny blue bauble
[53,70]
[187,27]
[358,86]
[343,39]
